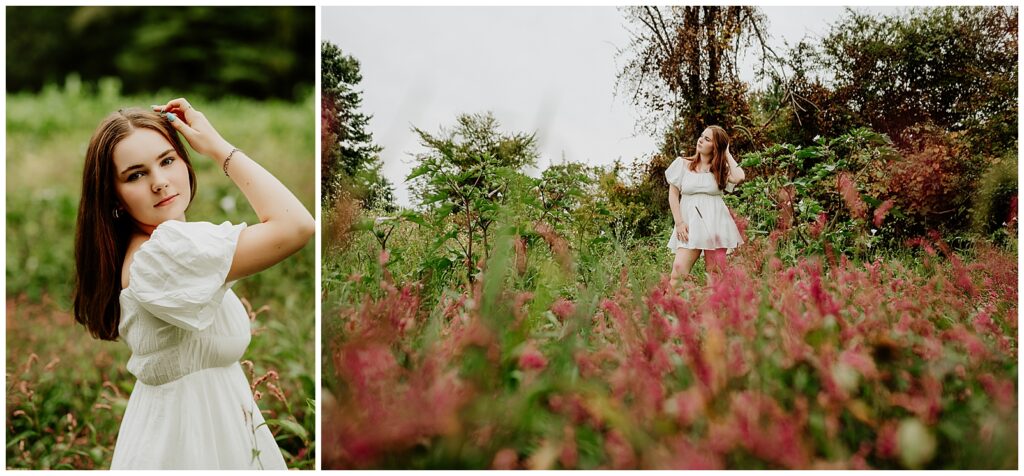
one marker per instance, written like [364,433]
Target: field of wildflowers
[66,392]
[903,359]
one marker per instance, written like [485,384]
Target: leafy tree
[561,190]
[349,156]
[955,67]
[682,67]
[465,176]
[798,105]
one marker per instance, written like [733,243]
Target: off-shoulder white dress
[700,201]
[191,407]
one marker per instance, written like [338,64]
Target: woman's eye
[167,161]
[135,176]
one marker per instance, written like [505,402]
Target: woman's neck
[146,229]
[143,229]
[705,159]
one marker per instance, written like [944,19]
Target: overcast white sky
[549,70]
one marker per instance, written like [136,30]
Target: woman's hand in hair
[284,227]
[196,129]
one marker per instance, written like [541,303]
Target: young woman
[703,222]
[162,284]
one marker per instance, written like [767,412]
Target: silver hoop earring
[117,214]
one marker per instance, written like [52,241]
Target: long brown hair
[719,162]
[101,240]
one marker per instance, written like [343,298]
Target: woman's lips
[166,201]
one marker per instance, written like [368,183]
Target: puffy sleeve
[674,172]
[179,274]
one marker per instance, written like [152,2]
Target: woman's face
[704,144]
[151,179]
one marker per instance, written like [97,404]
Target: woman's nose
[159,182]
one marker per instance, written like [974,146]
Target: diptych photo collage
[493,237]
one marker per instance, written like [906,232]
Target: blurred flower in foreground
[916,443]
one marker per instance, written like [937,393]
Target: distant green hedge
[257,52]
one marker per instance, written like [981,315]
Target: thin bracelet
[236,149]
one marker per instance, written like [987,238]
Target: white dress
[191,407]
[700,201]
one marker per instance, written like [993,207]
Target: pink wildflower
[983,323]
[505,459]
[619,451]
[1001,391]
[819,225]
[686,406]
[860,361]
[924,400]
[881,211]
[517,308]
[741,222]
[617,313]
[970,342]
[767,432]
[886,444]
[520,245]
[563,308]
[367,367]
[575,408]
[848,190]
[737,364]
[858,462]
[569,456]
[692,456]
[531,358]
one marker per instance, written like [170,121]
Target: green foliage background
[257,52]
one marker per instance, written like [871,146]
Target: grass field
[66,392]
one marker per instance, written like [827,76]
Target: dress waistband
[156,381]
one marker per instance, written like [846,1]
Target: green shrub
[996,191]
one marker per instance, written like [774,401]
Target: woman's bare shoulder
[133,246]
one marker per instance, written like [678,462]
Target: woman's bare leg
[682,264]
[714,261]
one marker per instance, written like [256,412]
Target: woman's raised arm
[736,174]
[285,224]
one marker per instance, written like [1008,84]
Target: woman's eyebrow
[133,167]
[139,166]
[165,153]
